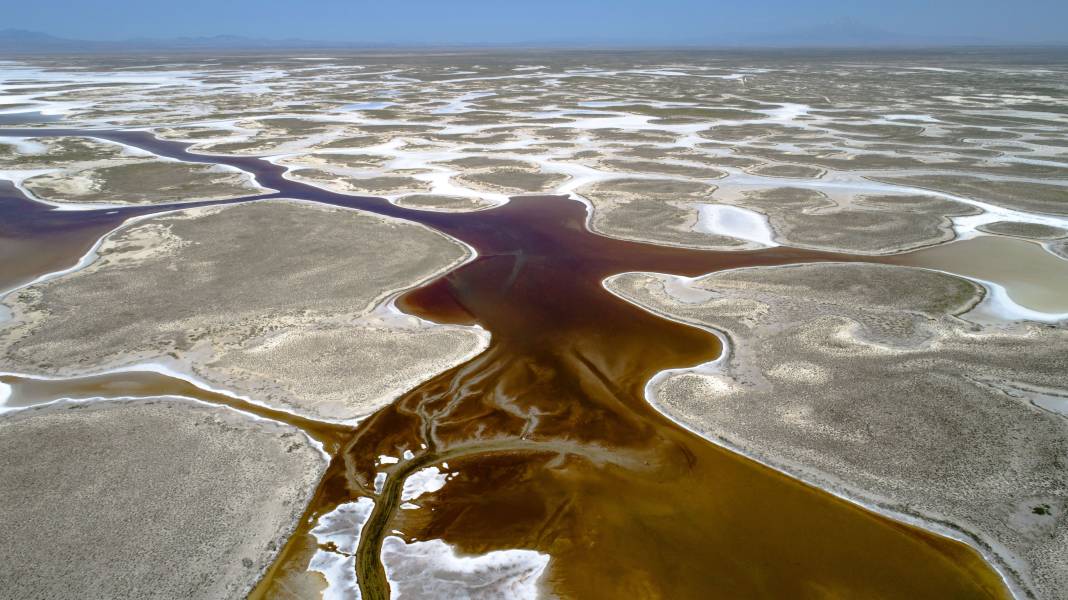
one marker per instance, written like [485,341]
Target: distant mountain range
[20,40]
[841,34]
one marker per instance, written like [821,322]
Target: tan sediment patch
[142,182]
[858,160]
[787,170]
[275,300]
[156,495]
[628,136]
[439,202]
[645,153]
[192,133]
[256,135]
[1031,231]
[390,184]
[63,152]
[1020,195]
[335,160]
[663,168]
[661,211]
[800,372]
[90,171]
[864,224]
[350,142]
[475,163]
[257,146]
[510,180]
[915,411]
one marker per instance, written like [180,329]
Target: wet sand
[158,497]
[552,446]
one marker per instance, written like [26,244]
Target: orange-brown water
[553,447]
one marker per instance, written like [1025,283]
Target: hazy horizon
[624,22]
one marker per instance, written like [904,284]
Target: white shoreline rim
[78,400]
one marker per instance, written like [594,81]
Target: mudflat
[157,497]
[77,170]
[276,300]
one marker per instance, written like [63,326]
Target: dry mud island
[488,325]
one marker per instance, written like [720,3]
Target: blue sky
[518,21]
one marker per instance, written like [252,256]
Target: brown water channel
[549,440]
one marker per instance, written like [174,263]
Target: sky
[537,21]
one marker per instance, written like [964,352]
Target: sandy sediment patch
[1017,195]
[80,170]
[391,183]
[280,301]
[857,223]
[61,153]
[660,211]
[156,497]
[861,379]
[143,182]
[475,163]
[1031,231]
[603,133]
[661,167]
[858,160]
[348,142]
[787,171]
[272,135]
[443,203]
[510,180]
[335,160]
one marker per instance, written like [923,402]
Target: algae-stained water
[550,442]
[626,503]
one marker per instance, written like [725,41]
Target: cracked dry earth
[740,364]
